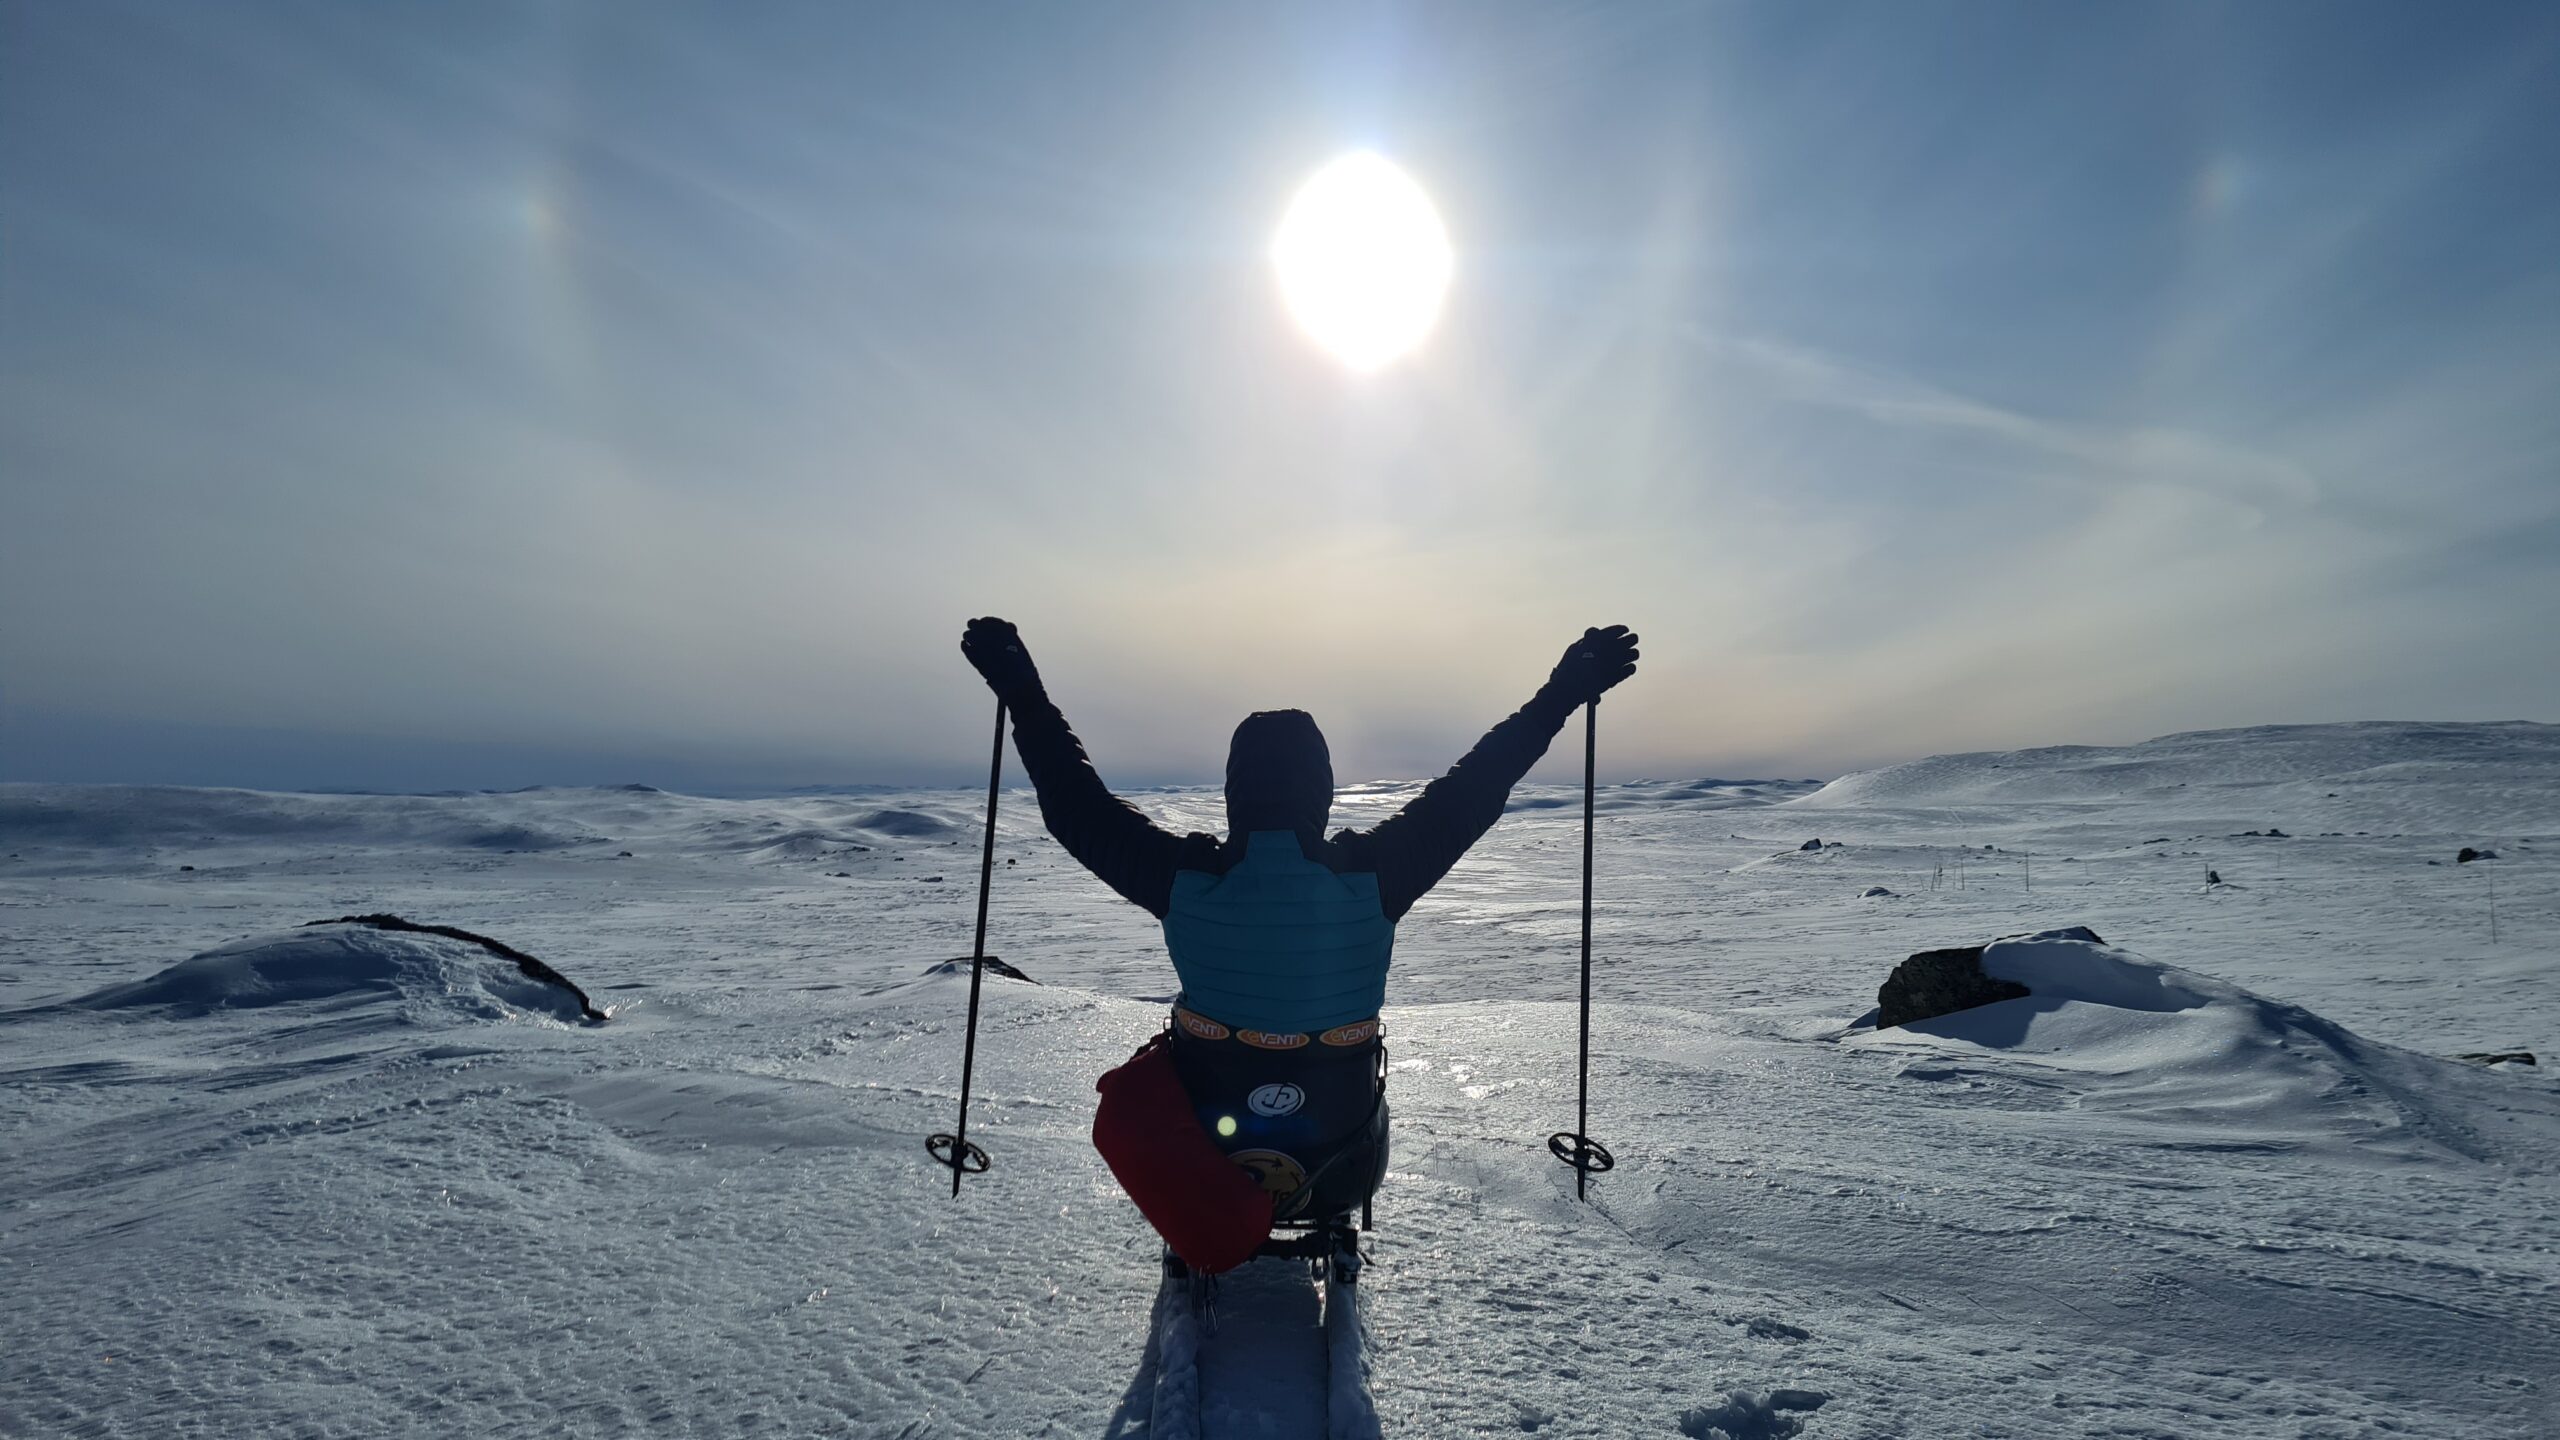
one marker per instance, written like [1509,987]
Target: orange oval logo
[1200,1025]
[1267,1040]
[1357,1033]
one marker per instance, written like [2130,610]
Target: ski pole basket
[971,1161]
[1582,1153]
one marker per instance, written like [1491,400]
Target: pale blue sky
[493,393]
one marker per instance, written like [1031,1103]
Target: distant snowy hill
[2498,777]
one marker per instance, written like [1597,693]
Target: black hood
[1279,775]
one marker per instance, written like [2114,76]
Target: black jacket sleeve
[1413,848]
[1107,835]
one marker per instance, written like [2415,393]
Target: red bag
[1208,1208]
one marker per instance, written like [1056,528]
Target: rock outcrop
[1942,982]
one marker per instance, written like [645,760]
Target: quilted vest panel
[1279,942]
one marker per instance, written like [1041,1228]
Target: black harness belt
[1307,1114]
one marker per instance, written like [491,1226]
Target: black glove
[995,647]
[1600,659]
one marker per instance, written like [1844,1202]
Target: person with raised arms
[1264,1099]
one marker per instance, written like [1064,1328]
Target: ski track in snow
[429,1207]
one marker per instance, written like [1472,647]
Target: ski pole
[1575,1147]
[955,1150]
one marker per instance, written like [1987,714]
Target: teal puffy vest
[1279,942]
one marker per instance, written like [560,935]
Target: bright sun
[1363,260]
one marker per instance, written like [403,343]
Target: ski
[1188,1331]
[1174,1351]
[1351,1412]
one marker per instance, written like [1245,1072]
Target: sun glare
[1363,261]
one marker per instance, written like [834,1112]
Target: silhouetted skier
[1280,937]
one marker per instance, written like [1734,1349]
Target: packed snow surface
[2216,1176]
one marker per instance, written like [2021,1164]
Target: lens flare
[1363,261]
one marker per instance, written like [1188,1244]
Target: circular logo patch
[1279,1176]
[1280,1099]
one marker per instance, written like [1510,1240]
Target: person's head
[1279,774]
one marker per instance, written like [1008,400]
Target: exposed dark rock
[622,855]
[533,968]
[186,867]
[1744,1415]
[2468,855]
[994,967]
[1940,982]
[1813,844]
[1875,892]
[2213,877]
[2501,1057]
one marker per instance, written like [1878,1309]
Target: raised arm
[1414,847]
[1107,835]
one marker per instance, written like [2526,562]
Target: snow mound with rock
[2218,1066]
[432,978]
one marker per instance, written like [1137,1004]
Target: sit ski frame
[1333,1243]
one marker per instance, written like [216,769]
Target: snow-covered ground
[2216,1179]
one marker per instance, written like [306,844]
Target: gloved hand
[995,647]
[1600,659]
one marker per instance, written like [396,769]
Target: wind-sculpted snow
[810,843]
[906,824]
[102,818]
[1658,795]
[2216,1182]
[428,977]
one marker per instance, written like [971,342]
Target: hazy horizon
[280,760]
[473,396]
